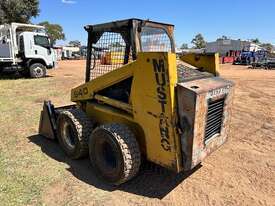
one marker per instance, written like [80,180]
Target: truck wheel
[25,73]
[37,70]
[114,153]
[73,131]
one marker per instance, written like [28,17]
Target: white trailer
[25,48]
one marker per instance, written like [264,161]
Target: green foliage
[184,46]
[18,10]
[199,41]
[75,43]
[54,31]
[256,41]
[223,37]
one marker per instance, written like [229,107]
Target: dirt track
[242,172]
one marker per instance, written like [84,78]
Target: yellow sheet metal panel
[87,90]
[105,114]
[205,62]
[153,103]
[117,104]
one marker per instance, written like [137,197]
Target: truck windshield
[154,40]
[41,41]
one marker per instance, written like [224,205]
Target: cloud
[69,2]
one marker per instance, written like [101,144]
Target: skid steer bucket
[47,125]
[48,119]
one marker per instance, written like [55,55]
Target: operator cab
[114,44]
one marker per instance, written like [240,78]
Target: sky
[237,19]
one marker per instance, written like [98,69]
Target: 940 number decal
[80,92]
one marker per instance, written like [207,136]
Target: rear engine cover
[204,109]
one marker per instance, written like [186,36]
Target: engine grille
[214,118]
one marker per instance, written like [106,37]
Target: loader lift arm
[206,62]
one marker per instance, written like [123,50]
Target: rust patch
[193,102]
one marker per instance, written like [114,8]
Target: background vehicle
[266,63]
[249,57]
[25,48]
[140,103]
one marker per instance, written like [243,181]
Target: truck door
[21,47]
[42,49]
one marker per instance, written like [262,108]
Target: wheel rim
[107,157]
[38,71]
[68,135]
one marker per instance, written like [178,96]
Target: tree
[223,37]
[18,10]
[75,43]
[55,31]
[199,41]
[256,41]
[184,46]
[1,15]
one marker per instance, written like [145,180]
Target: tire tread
[84,127]
[129,148]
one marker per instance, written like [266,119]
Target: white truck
[27,49]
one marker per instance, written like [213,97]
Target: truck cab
[37,46]
[27,49]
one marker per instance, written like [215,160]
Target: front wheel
[37,70]
[25,73]
[114,153]
[73,131]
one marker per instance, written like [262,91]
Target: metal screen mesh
[108,53]
[214,118]
[155,40]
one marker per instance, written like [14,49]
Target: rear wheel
[73,130]
[114,153]
[37,70]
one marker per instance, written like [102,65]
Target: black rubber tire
[37,70]
[25,73]
[73,131]
[121,161]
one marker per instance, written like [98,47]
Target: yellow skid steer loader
[139,101]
